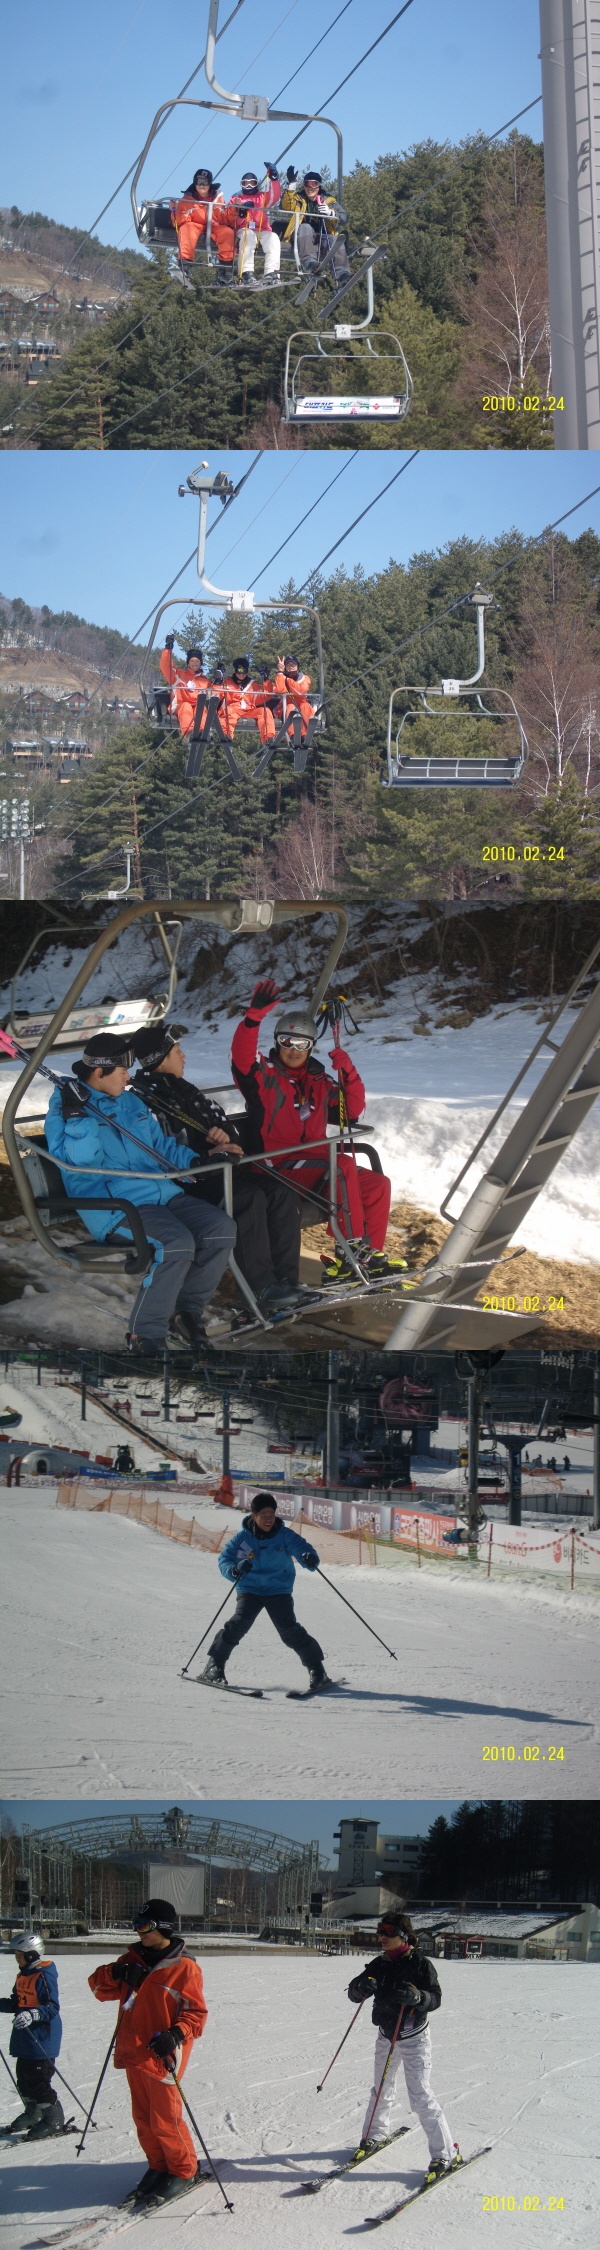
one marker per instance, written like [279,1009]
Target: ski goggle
[390,1929]
[300,1046]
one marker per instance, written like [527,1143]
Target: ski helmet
[156,1914]
[249,179]
[107,1050]
[295,1024]
[27,1942]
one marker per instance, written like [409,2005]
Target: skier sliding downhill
[261,1558]
[290,1098]
[35,2040]
[162,2010]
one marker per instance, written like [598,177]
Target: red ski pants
[159,2121]
[363,1198]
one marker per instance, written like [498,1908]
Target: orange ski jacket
[172,1994]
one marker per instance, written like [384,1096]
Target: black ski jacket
[182,1109]
[385,1980]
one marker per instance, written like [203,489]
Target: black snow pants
[267,1216]
[280,1609]
[33,2080]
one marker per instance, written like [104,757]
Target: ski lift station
[346,371]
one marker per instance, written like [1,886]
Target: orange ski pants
[159,2121]
[191,225]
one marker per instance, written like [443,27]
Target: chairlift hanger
[79,1023]
[340,348]
[234,603]
[409,770]
[152,219]
[249,916]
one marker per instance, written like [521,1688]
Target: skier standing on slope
[35,2039]
[261,1558]
[403,1984]
[162,2010]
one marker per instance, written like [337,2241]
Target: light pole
[570,58]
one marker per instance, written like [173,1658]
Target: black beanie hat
[194,652]
[152,1044]
[157,1910]
[107,1049]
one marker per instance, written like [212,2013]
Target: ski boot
[182,272]
[213,1674]
[173,2185]
[50,2121]
[439,2165]
[28,2117]
[278,1294]
[318,1680]
[148,2185]
[337,1271]
[379,1265]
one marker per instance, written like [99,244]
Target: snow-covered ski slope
[516,2053]
[431,1084]
[95,1705]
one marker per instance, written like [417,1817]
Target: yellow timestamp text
[523,1304]
[495,402]
[495,1753]
[527,2203]
[529,853]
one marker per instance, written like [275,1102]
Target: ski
[107,2223]
[346,286]
[361,2156]
[314,278]
[426,2187]
[70,2126]
[306,1695]
[255,1693]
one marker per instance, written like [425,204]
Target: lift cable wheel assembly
[291,730]
[409,770]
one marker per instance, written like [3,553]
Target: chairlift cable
[288,82]
[364,512]
[298,526]
[352,73]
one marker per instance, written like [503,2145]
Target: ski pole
[170,2066]
[7,2067]
[95,2096]
[384,2073]
[209,1628]
[342,2044]
[58,2074]
[356,1613]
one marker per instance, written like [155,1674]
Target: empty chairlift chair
[457,700]
[332,360]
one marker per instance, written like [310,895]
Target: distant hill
[45,238]
[60,633]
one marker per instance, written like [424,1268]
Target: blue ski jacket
[272,1556]
[95,1141]
[36,1989]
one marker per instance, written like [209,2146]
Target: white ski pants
[269,244]
[413,2056]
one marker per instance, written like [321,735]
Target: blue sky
[103,534]
[299,1820]
[85,86]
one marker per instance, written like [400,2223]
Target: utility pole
[473,1417]
[226,1432]
[570,58]
[166,1388]
[333,1419]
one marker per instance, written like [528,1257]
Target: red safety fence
[333,1546]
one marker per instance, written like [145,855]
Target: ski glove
[165,2042]
[242,1567]
[132,1973]
[264,998]
[73,1098]
[25,2017]
[170,640]
[309,1559]
[408,1996]
[271,171]
[341,1061]
[291,174]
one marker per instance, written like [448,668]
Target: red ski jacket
[285,1107]
[172,1993]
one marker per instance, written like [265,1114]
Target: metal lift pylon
[507,1191]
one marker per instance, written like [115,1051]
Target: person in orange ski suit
[162,2010]
[240,694]
[190,218]
[186,681]
[294,684]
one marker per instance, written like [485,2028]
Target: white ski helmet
[295,1024]
[27,1942]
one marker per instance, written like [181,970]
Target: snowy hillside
[515,2063]
[433,1080]
[98,1703]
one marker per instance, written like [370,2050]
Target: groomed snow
[515,2062]
[95,1704]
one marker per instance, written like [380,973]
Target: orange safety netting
[333,1546]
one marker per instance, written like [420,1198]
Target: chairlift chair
[348,348]
[152,217]
[203,486]
[81,1023]
[461,699]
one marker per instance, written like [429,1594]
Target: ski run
[516,2065]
